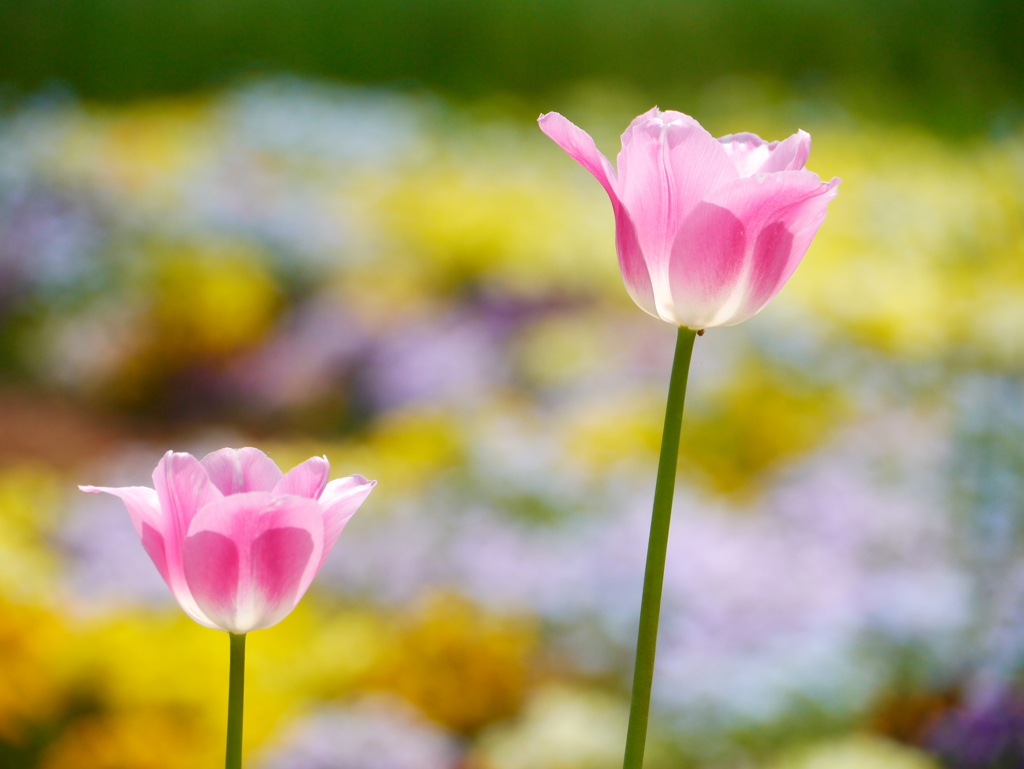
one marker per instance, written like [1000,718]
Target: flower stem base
[236,698]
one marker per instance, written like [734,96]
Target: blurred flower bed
[429,295]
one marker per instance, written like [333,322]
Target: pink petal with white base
[183,488]
[778,257]
[306,480]
[339,503]
[581,148]
[235,471]
[737,249]
[667,165]
[250,557]
[699,213]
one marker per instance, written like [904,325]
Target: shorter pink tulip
[707,230]
[237,541]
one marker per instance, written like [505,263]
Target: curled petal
[752,155]
[160,532]
[235,471]
[788,155]
[144,511]
[581,148]
[339,503]
[305,480]
[738,248]
[250,557]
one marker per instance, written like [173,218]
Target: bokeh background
[332,227]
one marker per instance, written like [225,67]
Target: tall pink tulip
[707,230]
[238,542]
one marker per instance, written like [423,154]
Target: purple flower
[376,734]
[989,736]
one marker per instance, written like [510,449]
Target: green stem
[657,546]
[236,697]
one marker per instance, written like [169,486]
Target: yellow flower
[139,739]
[857,752]
[459,666]
[34,645]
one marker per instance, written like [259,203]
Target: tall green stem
[236,697]
[657,546]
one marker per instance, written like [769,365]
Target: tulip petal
[183,487]
[581,148]
[752,155]
[144,511]
[339,503]
[211,564]
[235,471]
[667,165]
[250,557]
[305,480]
[747,151]
[788,155]
[737,249]
[160,533]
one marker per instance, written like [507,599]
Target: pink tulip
[236,540]
[707,230]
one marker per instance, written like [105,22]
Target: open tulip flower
[707,230]
[237,541]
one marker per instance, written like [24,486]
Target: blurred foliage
[231,303]
[954,64]
[857,753]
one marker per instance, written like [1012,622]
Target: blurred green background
[334,228]
[950,64]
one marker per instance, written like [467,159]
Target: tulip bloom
[237,541]
[707,230]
